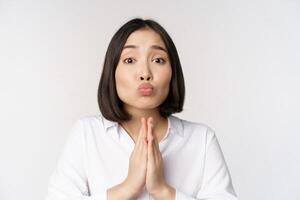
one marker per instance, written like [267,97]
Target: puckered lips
[145,89]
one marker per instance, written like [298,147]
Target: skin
[144,59]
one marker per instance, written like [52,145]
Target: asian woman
[135,148]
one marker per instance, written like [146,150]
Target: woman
[136,148]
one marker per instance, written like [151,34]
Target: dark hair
[109,103]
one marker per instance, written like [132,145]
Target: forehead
[144,37]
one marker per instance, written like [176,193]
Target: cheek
[122,84]
[165,77]
[121,76]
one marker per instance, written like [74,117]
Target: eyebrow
[152,47]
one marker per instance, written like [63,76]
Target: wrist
[166,192]
[127,190]
[120,191]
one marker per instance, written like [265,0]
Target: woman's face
[144,59]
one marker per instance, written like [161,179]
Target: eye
[128,60]
[159,60]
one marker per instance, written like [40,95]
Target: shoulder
[89,119]
[194,128]
[87,123]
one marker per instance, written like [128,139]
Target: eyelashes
[128,60]
[131,60]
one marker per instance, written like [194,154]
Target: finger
[150,140]
[156,151]
[155,145]
[144,139]
[142,146]
[155,148]
[149,128]
[140,136]
[145,131]
[141,133]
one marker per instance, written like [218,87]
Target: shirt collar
[175,125]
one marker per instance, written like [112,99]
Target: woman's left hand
[155,182]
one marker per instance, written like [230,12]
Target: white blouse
[96,157]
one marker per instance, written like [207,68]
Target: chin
[146,107]
[143,105]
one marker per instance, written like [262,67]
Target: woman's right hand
[137,170]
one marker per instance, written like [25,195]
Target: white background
[240,60]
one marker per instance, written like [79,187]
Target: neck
[133,125]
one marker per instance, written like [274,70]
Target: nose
[145,74]
[145,77]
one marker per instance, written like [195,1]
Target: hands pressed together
[146,165]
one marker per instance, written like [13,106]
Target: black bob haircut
[109,103]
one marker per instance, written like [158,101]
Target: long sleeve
[68,181]
[216,183]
